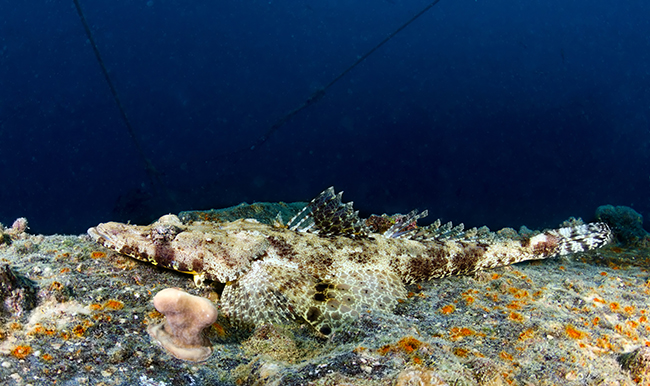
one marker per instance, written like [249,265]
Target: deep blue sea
[487,112]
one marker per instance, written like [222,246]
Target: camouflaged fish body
[327,265]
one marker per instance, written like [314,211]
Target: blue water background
[488,112]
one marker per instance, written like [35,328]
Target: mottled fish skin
[218,252]
[311,272]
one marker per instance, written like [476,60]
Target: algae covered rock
[637,363]
[17,231]
[17,295]
[626,223]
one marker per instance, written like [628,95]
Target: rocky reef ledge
[73,313]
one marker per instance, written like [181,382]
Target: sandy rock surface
[74,313]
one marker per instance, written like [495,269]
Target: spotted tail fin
[465,255]
[573,239]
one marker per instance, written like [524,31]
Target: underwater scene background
[495,113]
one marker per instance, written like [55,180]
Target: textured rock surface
[17,295]
[563,321]
[637,363]
[626,223]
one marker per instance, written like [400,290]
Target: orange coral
[78,330]
[516,317]
[506,356]
[448,309]
[409,344]
[518,293]
[113,304]
[102,317]
[21,352]
[39,329]
[527,334]
[97,254]
[458,333]
[574,333]
[384,350]
[514,305]
[461,352]
[56,286]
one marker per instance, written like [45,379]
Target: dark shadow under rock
[17,294]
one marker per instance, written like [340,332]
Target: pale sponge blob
[186,316]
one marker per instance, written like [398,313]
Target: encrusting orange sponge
[186,316]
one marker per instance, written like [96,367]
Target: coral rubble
[186,316]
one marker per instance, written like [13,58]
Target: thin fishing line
[153,174]
[313,98]
[318,94]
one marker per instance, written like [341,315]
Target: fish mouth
[104,235]
[97,236]
[94,233]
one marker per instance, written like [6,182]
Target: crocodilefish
[327,265]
